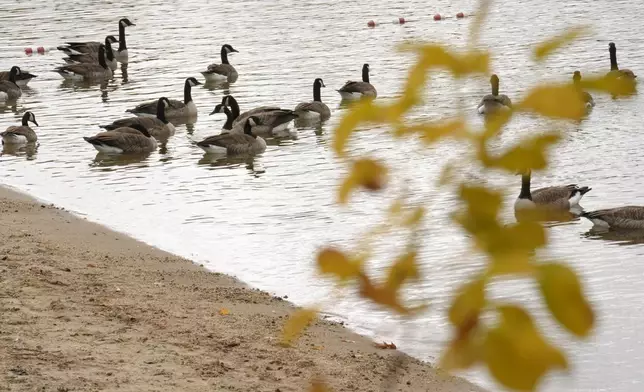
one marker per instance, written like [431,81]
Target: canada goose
[228,125]
[176,109]
[158,126]
[274,120]
[315,109]
[87,71]
[92,57]
[495,101]
[258,128]
[629,217]
[133,139]
[9,90]
[355,90]
[21,79]
[614,69]
[588,99]
[235,143]
[552,197]
[21,134]
[92,47]
[223,71]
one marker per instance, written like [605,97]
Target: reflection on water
[619,237]
[262,218]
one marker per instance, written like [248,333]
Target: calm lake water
[263,218]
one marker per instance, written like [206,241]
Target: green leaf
[563,294]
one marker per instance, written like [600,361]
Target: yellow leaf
[555,101]
[467,304]
[432,132]
[563,294]
[319,386]
[386,296]
[529,154]
[479,17]
[494,123]
[544,49]
[461,354]
[433,56]
[403,269]
[224,312]
[333,262]
[481,201]
[296,324]
[395,209]
[611,84]
[515,352]
[360,112]
[415,217]
[366,173]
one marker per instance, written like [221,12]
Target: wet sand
[84,308]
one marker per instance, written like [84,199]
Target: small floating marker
[401,20]
[29,51]
[371,23]
[438,17]
[460,15]
[40,50]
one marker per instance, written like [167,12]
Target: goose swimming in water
[495,101]
[235,143]
[87,71]
[223,72]
[316,109]
[176,109]
[21,134]
[121,53]
[9,89]
[21,79]
[553,197]
[133,140]
[92,57]
[614,69]
[273,119]
[585,96]
[624,218]
[356,90]
[158,126]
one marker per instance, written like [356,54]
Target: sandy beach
[87,309]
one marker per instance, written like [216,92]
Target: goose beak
[36,123]
[235,51]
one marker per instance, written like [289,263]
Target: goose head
[229,49]
[29,116]
[576,77]
[250,123]
[219,109]
[192,82]
[111,39]
[125,22]
[141,129]
[15,71]
[319,82]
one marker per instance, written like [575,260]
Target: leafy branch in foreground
[501,335]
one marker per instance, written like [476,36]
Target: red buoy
[41,50]
[29,51]
[460,15]
[401,20]
[371,23]
[437,17]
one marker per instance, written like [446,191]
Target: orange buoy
[437,17]
[371,23]
[460,15]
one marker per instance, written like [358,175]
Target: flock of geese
[244,132]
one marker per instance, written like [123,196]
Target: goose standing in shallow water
[176,108]
[356,90]
[625,218]
[274,120]
[87,71]
[316,109]
[614,69]
[553,197]
[223,72]
[235,143]
[133,140]
[21,79]
[21,134]
[159,127]
[9,90]
[92,57]
[495,101]
[585,96]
